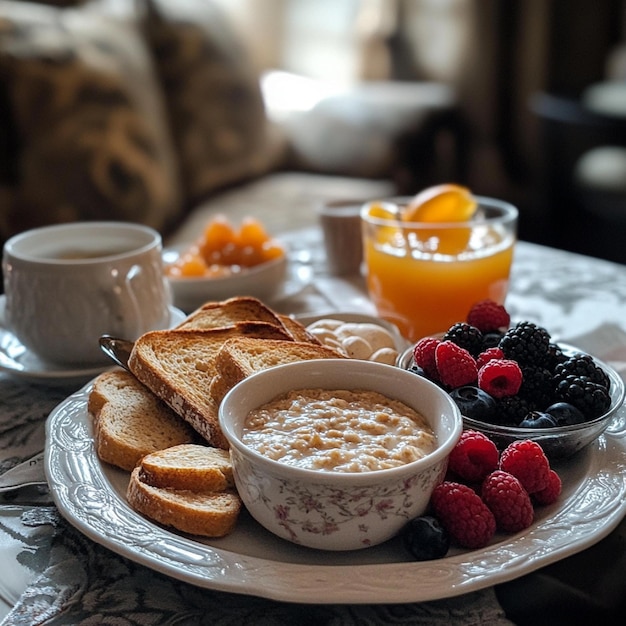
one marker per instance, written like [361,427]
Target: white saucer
[16,360]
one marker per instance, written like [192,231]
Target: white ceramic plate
[252,561]
[193,293]
[17,361]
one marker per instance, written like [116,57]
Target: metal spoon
[118,350]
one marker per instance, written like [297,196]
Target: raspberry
[468,520]
[526,460]
[474,456]
[456,366]
[508,501]
[500,377]
[424,355]
[488,316]
[487,355]
[551,493]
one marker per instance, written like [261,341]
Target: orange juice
[424,278]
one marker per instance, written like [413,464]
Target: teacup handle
[125,303]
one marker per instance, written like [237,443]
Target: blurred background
[520,99]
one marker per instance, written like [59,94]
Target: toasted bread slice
[189,467]
[178,365]
[130,421]
[210,514]
[241,357]
[227,313]
[297,330]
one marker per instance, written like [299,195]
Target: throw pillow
[212,91]
[87,119]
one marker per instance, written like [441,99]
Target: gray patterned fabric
[84,109]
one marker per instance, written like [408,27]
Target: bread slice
[227,313]
[241,357]
[178,365]
[297,330]
[189,467]
[210,514]
[130,421]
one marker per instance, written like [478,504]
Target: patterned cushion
[213,95]
[87,120]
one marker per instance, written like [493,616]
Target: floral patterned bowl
[335,510]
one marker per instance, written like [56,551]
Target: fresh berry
[550,493]
[499,378]
[474,402]
[487,355]
[588,397]
[468,520]
[526,343]
[509,502]
[511,410]
[425,538]
[582,365]
[492,340]
[455,365]
[465,336]
[424,355]
[537,386]
[488,316]
[526,460]
[555,356]
[474,457]
[565,414]
[538,419]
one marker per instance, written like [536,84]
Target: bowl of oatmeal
[338,457]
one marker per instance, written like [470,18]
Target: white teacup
[68,284]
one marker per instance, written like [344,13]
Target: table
[51,570]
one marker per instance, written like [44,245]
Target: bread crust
[130,421]
[178,365]
[208,514]
[188,467]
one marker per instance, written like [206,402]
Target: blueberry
[474,402]
[425,538]
[565,414]
[538,419]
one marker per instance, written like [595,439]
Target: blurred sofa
[155,114]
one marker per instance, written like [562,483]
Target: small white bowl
[261,281]
[337,510]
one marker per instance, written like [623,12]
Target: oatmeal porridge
[338,430]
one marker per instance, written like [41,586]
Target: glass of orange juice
[424,276]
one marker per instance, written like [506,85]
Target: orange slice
[441,203]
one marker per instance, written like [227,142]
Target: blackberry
[465,336]
[526,343]
[537,386]
[511,410]
[582,365]
[555,356]
[588,397]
